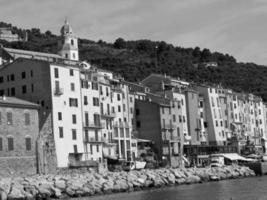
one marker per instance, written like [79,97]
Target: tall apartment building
[196,117]
[81,107]
[214,115]
[160,120]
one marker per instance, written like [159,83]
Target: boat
[134,165]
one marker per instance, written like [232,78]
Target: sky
[236,27]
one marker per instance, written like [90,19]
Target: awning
[234,156]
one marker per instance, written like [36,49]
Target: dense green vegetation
[135,60]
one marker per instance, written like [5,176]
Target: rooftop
[15,102]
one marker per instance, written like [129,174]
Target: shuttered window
[9,118]
[28,144]
[10,144]
[27,119]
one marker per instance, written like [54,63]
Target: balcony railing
[168,127]
[94,140]
[94,125]
[122,124]
[171,139]
[108,114]
[58,91]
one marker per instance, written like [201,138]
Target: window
[9,118]
[72,42]
[95,101]
[138,124]
[107,93]
[12,77]
[66,55]
[137,111]
[72,87]
[183,118]
[124,108]
[32,88]
[23,75]
[27,119]
[31,73]
[94,85]
[71,72]
[1,79]
[131,110]
[85,100]
[74,134]
[131,99]
[28,144]
[56,72]
[162,110]
[75,148]
[61,134]
[59,116]
[118,97]
[24,89]
[180,118]
[97,148]
[0,118]
[10,143]
[1,144]
[2,92]
[174,118]
[74,120]
[7,78]
[101,90]
[119,108]
[13,92]
[73,102]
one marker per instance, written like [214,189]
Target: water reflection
[239,189]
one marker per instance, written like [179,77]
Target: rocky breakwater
[92,183]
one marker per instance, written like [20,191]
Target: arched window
[10,143]
[28,143]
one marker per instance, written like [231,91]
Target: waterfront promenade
[89,183]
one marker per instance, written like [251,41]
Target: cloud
[235,27]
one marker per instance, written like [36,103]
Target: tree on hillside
[119,44]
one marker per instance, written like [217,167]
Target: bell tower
[68,44]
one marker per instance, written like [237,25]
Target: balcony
[121,125]
[108,142]
[58,91]
[116,88]
[171,139]
[77,160]
[168,127]
[94,140]
[93,125]
[108,114]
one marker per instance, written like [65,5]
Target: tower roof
[66,28]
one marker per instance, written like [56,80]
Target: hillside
[136,59]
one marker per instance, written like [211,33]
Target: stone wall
[46,150]
[88,183]
[17,166]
